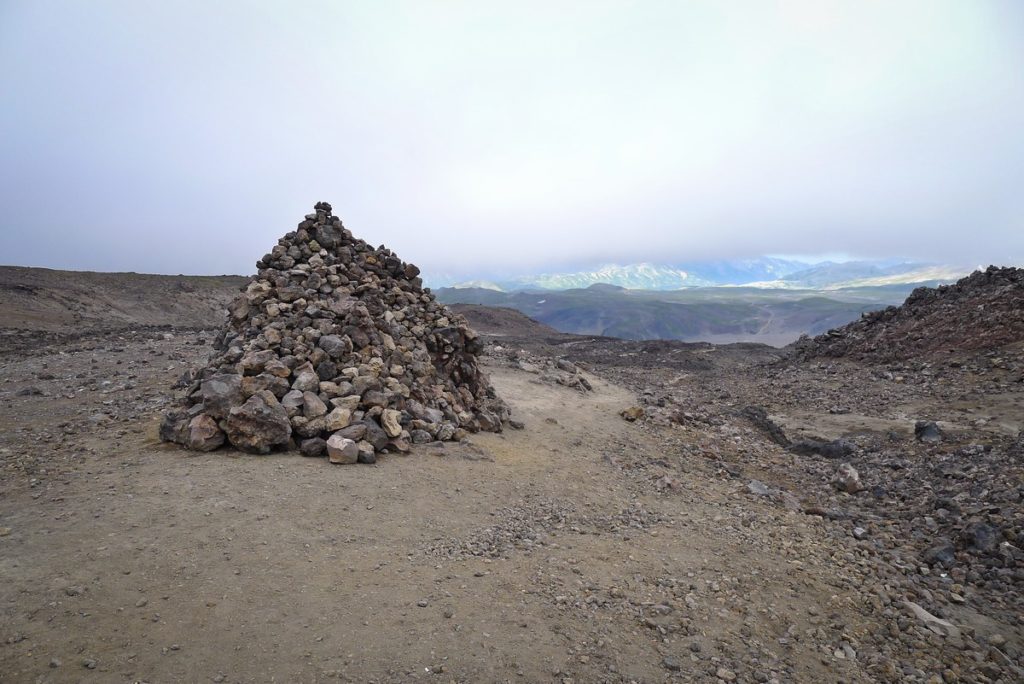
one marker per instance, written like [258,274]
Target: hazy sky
[188,136]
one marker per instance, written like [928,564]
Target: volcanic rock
[759,417]
[313,447]
[389,420]
[203,434]
[258,425]
[220,393]
[174,426]
[337,330]
[847,479]
[942,554]
[980,537]
[837,448]
[985,310]
[927,431]
[342,450]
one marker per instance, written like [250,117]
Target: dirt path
[546,554]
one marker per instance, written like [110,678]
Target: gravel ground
[683,546]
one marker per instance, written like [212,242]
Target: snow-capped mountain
[765,272]
[631,276]
[648,276]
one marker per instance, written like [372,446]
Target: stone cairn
[337,348]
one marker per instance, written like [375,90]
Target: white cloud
[512,135]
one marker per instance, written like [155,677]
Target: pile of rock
[985,310]
[336,347]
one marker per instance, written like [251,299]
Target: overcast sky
[188,136]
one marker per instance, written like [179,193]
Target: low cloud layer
[186,137]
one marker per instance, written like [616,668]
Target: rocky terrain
[982,311]
[671,512]
[69,302]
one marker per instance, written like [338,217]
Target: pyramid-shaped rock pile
[336,347]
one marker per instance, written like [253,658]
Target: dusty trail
[537,555]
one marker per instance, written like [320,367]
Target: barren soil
[583,548]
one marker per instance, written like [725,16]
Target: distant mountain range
[710,314]
[771,300]
[765,272]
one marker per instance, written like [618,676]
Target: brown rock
[390,420]
[633,413]
[337,419]
[203,434]
[258,425]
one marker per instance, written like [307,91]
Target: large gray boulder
[259,425]
[220,393]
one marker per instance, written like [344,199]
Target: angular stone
[290,293]
[258,425]
[277,368]
[312,406]
[293,402]
[251,384]
[330,389]
[306,381]
[253,363]
[390,420]
[239,308]
[375,434]
[342,450]
[337,419]
[335,346]
[355,432]
[174,427]
[927,431]
[847,479]
[420,437]
[350,402]
[374,398]
[424,413]
[326,370]
[488,421]
[221,393]
[367,454]
[203,434]
[313,447]
[307,427]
